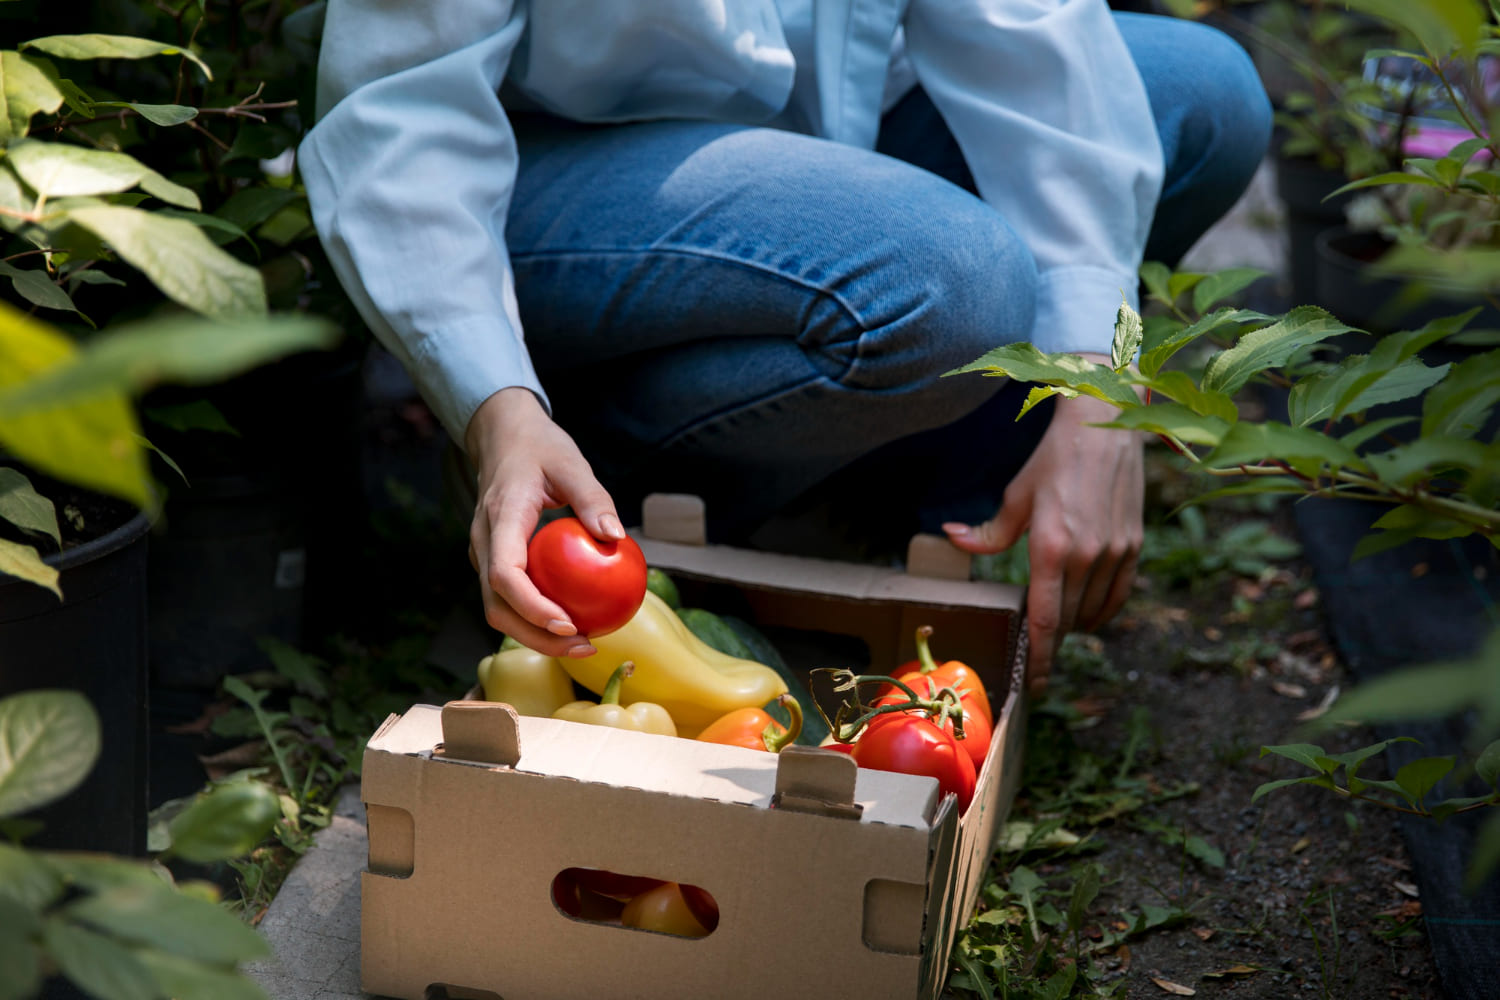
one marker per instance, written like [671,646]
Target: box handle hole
[636,902]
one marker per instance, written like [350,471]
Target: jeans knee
[1227,113]
[959,282]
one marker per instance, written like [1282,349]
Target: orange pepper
[754,728]
[951,673]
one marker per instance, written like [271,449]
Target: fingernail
[579,652]
[559,627]
[610,526]
[954,528]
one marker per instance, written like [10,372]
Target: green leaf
[1205,852]
[1394,177]
[166,919]
[198,415]
[251,206]
[1156,356]
[1181,282]
[1420,776]
[1059,985]
[26,879]
[1172,419]
[1488,765]
[96,46]
[304,671]
[1040,394]
[19,956]
[1364,432]
[186,350]
[1321,780]
[1303,448]
[1025,363]
[96,277]
[1128,334]
[184,979]
[104,872]
[179,259]
[1461,402]
[27,91]
[1407,463]
[1302,753]
[90,441]
[1216,287]
[1439,25]
[1269,347]
[23,506]
[1379,541]
[1180,386]
[1419,523]
[227,821]
[11,195]
[1357,383]
[100,965]
[1155,275]
[207,222]
[58,170]
[35,287]
[49,741]
[169,191]
[1424,692]
[1085,891]
[1353,760]
[1409,378]
[1257,485]
[1442,810]
[157,114]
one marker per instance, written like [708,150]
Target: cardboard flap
[675,517]
[816,781]
[485,732]
[936,557]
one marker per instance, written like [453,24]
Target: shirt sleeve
[409,173]
[1053,120]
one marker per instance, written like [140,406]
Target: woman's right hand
[526,463]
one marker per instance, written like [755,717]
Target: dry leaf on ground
[1176,989]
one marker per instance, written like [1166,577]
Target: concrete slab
[313,924]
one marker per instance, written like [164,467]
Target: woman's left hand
[1081,496]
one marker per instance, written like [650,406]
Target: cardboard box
[831,881]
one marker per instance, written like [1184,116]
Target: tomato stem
[924,651]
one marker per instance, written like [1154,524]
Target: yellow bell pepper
[641,717]
[675,669]
[530,682]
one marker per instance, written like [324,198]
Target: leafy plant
[119,929]
[76,205]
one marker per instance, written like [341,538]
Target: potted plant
[76,494]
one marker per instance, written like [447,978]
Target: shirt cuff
[1076,308]
[463,364]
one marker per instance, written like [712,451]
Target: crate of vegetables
[673,834]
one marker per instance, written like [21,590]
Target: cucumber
[660,584]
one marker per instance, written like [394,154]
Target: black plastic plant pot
[1380,304]
[93,642]
[1304,189]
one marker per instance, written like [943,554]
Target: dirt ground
[1294,895]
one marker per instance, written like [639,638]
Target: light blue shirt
[411,165]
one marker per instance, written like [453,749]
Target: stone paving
[313,924]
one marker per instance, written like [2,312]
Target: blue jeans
[749,314]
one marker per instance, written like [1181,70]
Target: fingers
[590,501]
[999,532]
[512,604]
[1044,617]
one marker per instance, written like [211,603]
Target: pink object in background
[1437,142]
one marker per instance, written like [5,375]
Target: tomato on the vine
[599,584]
[978,733]
[913,744]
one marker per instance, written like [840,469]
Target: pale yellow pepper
[641,717]
[675,669]
[530,682]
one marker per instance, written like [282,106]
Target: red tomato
[977,729]
[599,584]
[912,744]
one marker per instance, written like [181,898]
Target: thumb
[999,532]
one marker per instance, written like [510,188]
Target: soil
[1313,898]
[82,515]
